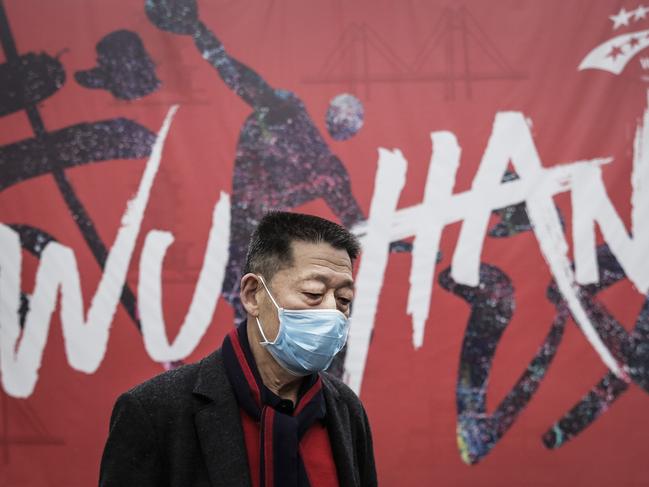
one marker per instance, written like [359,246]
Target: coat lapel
[218,426]
[339,429]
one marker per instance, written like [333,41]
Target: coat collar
[218,426]
[340,434]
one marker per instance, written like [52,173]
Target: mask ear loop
[261,330]
[263,281]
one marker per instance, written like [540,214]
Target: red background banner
[417,67]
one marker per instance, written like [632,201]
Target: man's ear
[248,293]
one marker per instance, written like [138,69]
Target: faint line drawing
[351,62]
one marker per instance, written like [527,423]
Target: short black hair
[270,245]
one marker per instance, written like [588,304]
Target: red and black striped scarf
[280,462]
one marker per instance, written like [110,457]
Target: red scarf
[281,464]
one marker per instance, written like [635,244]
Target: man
[259,411]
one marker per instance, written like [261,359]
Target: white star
[622,18]
[640,12]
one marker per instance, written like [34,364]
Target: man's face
[320,277]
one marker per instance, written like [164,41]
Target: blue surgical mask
[308,339]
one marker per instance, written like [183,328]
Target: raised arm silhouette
[282,160]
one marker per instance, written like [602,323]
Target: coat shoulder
[174,387]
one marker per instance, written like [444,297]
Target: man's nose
[329,301]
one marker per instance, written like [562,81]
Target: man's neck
[278,380]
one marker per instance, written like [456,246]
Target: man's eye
[344,301]
[312,295]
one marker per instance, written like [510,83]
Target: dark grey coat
[183,429]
